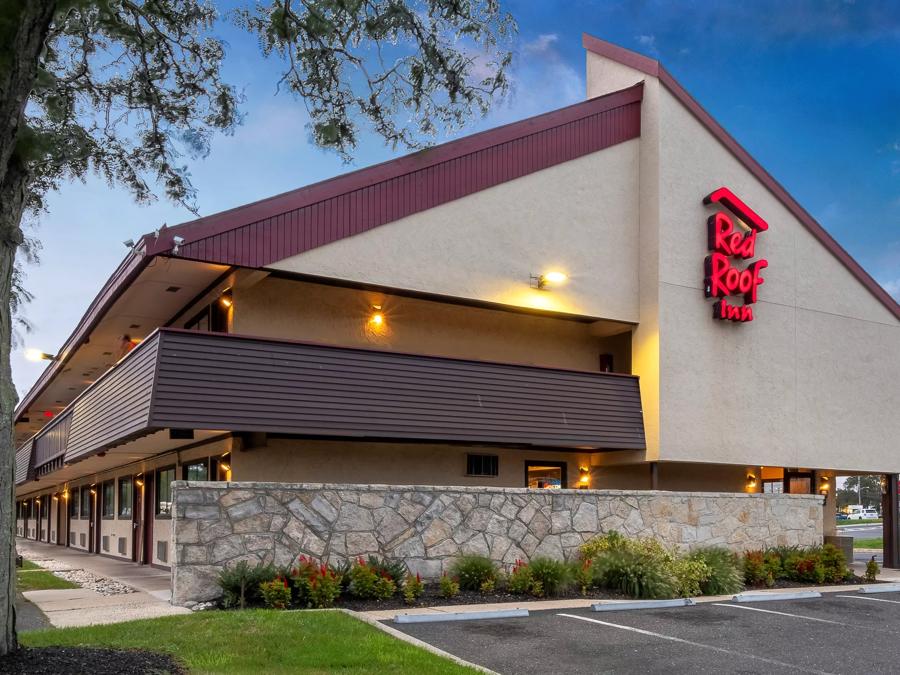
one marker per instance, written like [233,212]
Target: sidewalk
[82,606]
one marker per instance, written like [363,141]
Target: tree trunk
[24,26]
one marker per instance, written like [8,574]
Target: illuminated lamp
[824,485]
[65,494]
[225,467]
[55,498]
[553,278]
[751,482]
[226,299]
[37,355]
[139,482]
[48,414]
[584,477]
[93,492]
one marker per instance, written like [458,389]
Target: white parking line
[772,611]
[811,618]
[701,645]
[863,597]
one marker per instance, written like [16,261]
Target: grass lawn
[32,578]
[864,521]
[259,641]
[877,542]
[28,565]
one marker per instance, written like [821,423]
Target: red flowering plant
[317,584]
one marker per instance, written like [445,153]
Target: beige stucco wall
[284,308]
[603,77]
[299,461]
[579,217]
[813,380]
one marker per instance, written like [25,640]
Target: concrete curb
[880,588]
[622,605]
[766,596]
[461,616]
[393,632]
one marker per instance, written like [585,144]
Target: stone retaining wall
[217,524]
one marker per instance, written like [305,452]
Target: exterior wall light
[824,485]
[751,482]
[584,478]
[553,278]
[37,355]
[139,482]
[226,300]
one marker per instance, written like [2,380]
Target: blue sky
[810,88]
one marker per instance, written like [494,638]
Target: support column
[891,526]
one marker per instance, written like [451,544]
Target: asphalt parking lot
[838,633]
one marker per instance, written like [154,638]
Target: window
[109,499]
[213,317]
[73,504]
[773,486]
[164,478]
[86,502]
[545,475]
[125,497]
[482,465]
[196,470]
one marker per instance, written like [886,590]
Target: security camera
[177,242]
[129,243]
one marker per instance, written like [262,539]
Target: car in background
[864,514]
[842,516]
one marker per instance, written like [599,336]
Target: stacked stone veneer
[218,524]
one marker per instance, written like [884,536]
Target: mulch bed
[432,598]
[78,660]
[784,583]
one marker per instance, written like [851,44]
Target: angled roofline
[245,214]
[161,242]
[654,68]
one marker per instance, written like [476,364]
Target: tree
[126,88]
[850,492]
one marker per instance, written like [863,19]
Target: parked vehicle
[865,514]
[842,516]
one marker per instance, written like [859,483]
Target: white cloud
[648,42]
[542,44]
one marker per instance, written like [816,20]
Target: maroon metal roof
[653,67]
[263,232]
[272,229]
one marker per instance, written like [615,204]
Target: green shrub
[872,570]
[690,576]
[755,571]
[412,588]
[488,586]
[582,575]
[725,574]
[449,586]
[553,575]
[276,594]
[520,579]
[473,570]
[835,564]
[394,569]
[324,587]
[613,541]
[633,574]
[363,580]
[240,583]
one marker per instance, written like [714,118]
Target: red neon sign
[724,279]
